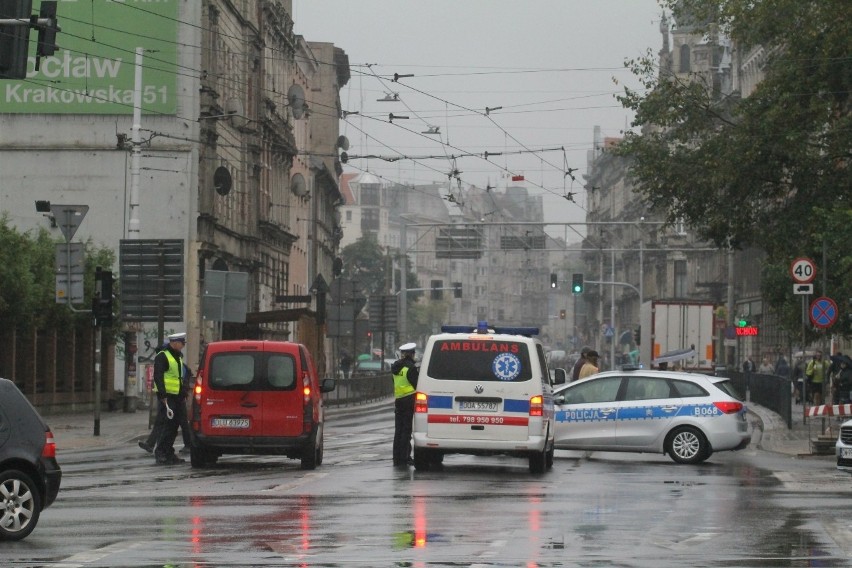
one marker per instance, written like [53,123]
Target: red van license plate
[231,423]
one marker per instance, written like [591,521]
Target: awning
[676,355]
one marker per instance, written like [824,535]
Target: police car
[484,391]
[685,415]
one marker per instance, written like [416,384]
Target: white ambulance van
[484,391]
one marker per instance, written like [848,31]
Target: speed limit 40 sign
[803,270]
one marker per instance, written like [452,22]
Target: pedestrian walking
[843,381]
[816,373]
[590,367]
[168,375]
[150,442]
[578,364]
[405,375]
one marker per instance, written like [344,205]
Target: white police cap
[408,347]
[178,337]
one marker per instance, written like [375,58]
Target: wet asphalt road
[749,508]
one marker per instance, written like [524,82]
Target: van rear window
[252,371]
[479,360]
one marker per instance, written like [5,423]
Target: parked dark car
[29,474]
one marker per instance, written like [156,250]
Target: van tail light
[308,412]
[728,407]
[536,406]
[49,449]
[199,380]
[421,402]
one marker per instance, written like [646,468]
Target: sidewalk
[76,431]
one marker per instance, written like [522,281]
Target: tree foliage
[366,260]
[28,279]
[771,170]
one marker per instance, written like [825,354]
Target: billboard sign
[93,71]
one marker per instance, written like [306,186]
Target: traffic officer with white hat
[168,378]
[405,374]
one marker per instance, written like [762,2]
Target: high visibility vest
[171,378]
[401,386]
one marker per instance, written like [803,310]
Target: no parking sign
[823,312]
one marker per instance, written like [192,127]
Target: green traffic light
[742,323]
[577,288]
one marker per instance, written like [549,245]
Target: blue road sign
[823,312]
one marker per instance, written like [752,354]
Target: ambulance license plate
[478,405]
[231,423]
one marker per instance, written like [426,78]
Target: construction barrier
[829,410]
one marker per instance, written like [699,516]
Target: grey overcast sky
[552,65]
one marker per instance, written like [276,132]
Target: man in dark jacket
[405,375]
[171,395]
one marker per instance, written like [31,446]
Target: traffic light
[457,289]
[554,282]
[742,321]
[562,314]
[437,292]
[47,32]
[637,335]
[577,283]
[102,298]
[14,39]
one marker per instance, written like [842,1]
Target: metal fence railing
[769,391]
[360,389]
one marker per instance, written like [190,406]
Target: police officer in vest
[404,383]
[168,378]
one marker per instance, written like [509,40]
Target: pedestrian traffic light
[562,314]
[102,298]
[554,281]
[457,289]
[577,283]
[14,38]
[742,321]
[637,335]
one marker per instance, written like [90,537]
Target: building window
[680,227]
[680,279]
[684,59]
[370,194]
[349,215]
[369,219]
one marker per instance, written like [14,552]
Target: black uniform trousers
[160,421]
[404,417]
[166,443]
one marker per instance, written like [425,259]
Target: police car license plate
[231,423]
[478,405]
[846,453]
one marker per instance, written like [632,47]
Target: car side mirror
[328,385]
[559,376]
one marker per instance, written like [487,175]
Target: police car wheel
[687,445]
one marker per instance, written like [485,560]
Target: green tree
[771,170]
[366,260]
[28,279]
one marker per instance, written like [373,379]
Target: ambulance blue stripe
[514,405]
[440,401]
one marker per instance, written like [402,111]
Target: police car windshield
[480,360]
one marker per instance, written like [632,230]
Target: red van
[257,397]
